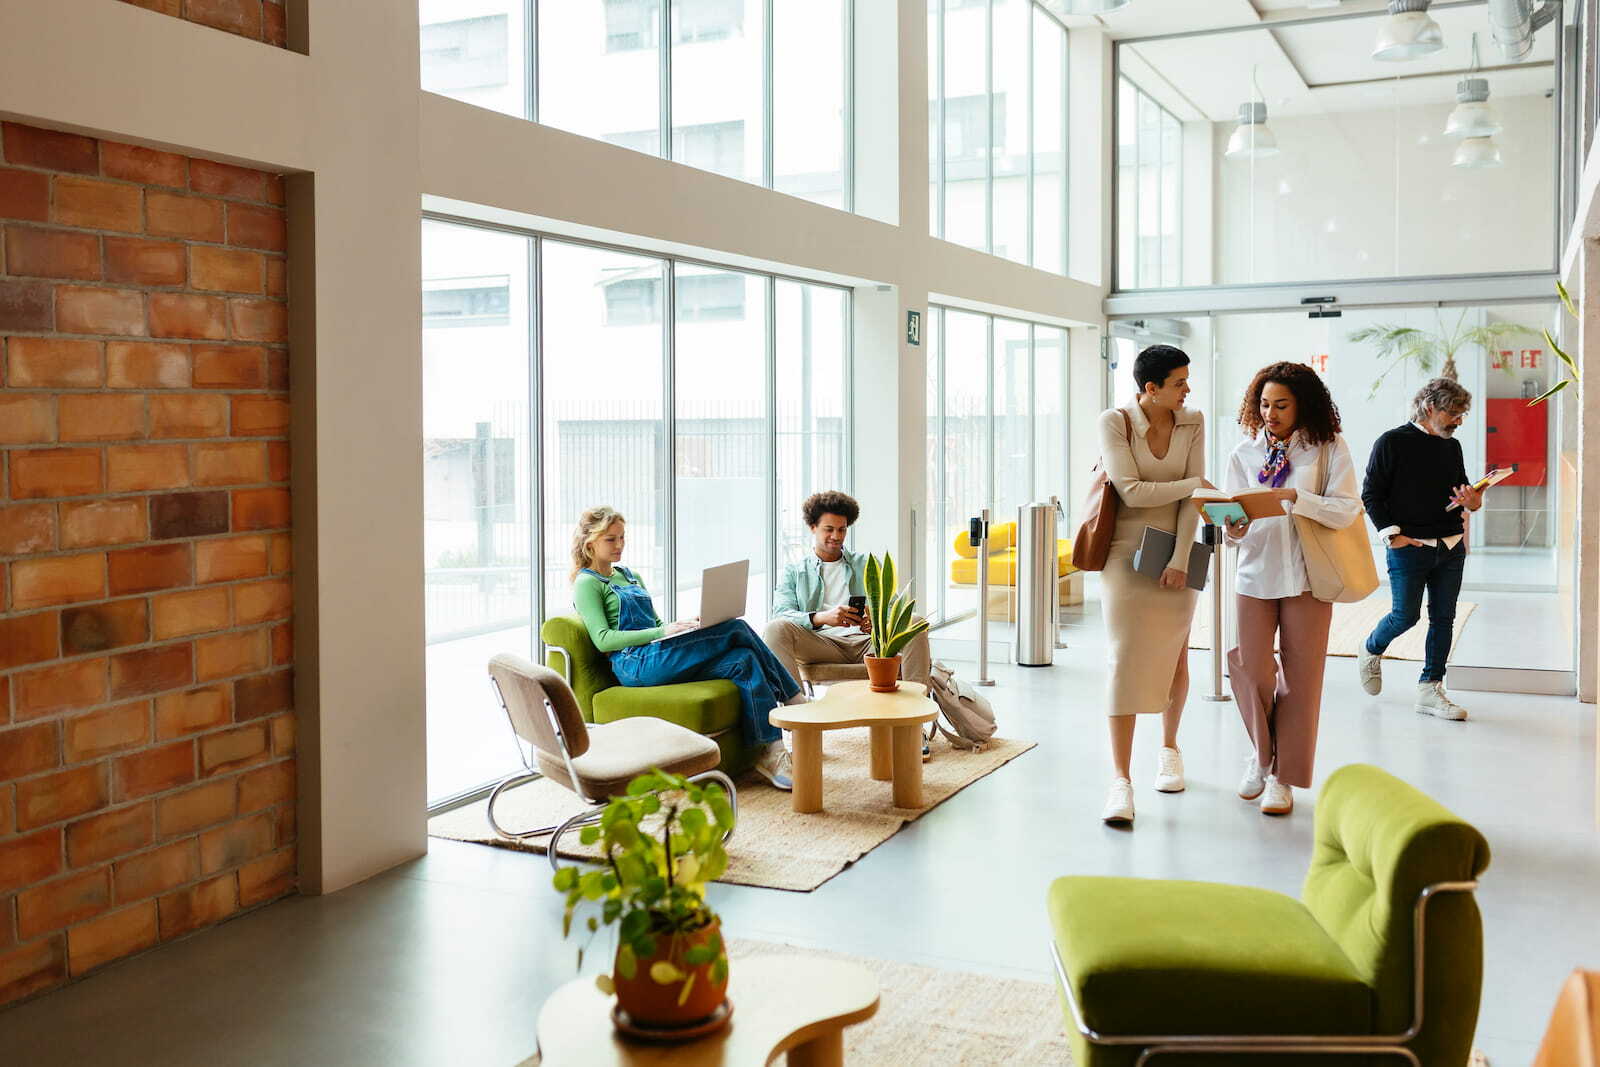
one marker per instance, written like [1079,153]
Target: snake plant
[892,625]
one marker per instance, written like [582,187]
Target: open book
[1494,477]
[1219,507]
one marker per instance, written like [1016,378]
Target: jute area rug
[931,1016]
[773,847]
[1351,625]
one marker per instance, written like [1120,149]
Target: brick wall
[146,737]
[259,20]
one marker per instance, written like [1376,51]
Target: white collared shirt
[1432,542]
[1271,565]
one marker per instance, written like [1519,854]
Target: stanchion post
[1211,534]
[980,531]
[1055,603]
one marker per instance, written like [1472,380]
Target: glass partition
[1513,611]
[1352,174]
[722,432]
[997,129]
[702,402]
[996,438]
[477,483]
[763,103]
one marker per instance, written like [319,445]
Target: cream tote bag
[1338,562]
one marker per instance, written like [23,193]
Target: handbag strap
[1322,468]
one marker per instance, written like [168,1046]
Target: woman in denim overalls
[622,622]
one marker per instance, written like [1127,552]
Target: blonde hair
[591,524]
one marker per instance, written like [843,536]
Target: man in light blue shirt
[812,620]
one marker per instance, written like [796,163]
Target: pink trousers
[1280,695]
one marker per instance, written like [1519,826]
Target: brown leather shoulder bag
[1093,543]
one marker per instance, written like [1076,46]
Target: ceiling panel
[1327,67]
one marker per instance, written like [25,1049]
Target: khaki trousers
[1280,696]
[794,645]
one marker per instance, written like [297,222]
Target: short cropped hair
[1155,363]
[1441,394]
[831,502]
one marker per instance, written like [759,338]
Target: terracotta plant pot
[650,1003]
[883,674]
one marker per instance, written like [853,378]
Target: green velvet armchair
[1380,961]
[710,707]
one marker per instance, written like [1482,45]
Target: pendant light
[1251,139]
[1408,32]
[1476,152]
[1472,116]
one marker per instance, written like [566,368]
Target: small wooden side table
[895,720]
[798,1005]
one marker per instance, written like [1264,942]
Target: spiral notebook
[1155,549]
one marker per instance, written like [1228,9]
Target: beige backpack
[970,716]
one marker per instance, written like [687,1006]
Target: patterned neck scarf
[1275,471]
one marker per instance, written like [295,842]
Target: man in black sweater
[1415,492]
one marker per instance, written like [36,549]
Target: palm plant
[1408,344]
[892,625]
[1566,302]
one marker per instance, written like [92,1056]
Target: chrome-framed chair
[594,762]
[1152,1045]
[1386,926]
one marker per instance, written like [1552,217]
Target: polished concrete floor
[447,959]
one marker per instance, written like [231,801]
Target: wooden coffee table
[794,1004]
[895,720]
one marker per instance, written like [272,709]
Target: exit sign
[913,327]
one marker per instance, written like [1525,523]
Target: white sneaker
[1119,802]
[1431,700]
[1254,780]
[1169,771]
[1370,670]
[776,766]
[1276,798]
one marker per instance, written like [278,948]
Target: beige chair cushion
[621,751]
[832,672]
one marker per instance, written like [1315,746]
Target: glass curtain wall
[997,117]
[1520,552]
[1360,172]
[1149,173]
[478,491]
[689,397]
[996,438]
[710,83]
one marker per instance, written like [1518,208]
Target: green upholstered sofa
[710,708]
[1228,974]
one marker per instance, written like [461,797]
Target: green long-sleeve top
[599,605]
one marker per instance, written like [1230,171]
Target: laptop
[722,595]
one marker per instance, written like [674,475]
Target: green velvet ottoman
[1217,974]
[710,708]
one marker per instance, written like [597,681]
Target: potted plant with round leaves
[893,627]
[661,845]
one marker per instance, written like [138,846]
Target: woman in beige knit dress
[1154,454]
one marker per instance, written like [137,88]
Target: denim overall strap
[635,610]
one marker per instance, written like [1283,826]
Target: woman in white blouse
[1291,428]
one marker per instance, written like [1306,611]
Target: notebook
[1155,549]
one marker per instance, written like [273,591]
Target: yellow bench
[1003,569]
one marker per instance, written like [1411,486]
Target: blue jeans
[1413,569]
[728,650]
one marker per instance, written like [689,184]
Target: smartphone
[858,604]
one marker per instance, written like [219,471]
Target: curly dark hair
[831,502]
[1316,415]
